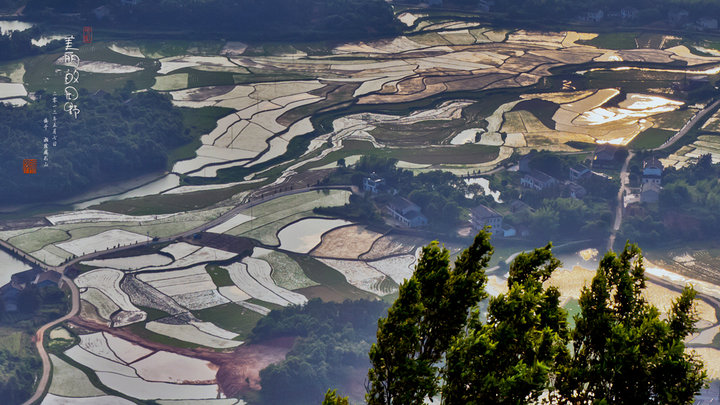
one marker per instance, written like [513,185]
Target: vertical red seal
[87,35]
[29,166]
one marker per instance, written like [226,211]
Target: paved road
[624,179]
[40,335]
[45,378]
[688,125]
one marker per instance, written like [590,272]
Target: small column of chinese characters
[45,142]
[72,61]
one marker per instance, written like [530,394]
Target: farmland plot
[98,363]
[230,223]
[52,399]
[244,281]
[192,334]
[286,272]
[359,274]
[104,305]
[108,281]
[233,293]
[169,367]
[260,270]
[203,255]
[68,381]
[347,242]
[127,351]
[95,343]
[141,389]
[132,262]
[102,241]
[304,235]
[399,268]
[179,250]
[274,214]
[74,217]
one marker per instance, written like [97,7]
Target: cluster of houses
[10,292]
[408,214]
[650,187]
[405,212]
[538,180]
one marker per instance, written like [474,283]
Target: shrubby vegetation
[435,340]
[440,195]
[267,20]
[19,45]
[331,348]
[20,364]
[116,136]
[689,207]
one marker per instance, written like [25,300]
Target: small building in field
[373,183]
[406,212]
[537,180]
[650,193]
[652,171]
[578,171]
[482,216]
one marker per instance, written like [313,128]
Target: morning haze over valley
[338,202]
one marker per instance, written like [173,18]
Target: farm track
[624,179]
[39,336]
[688,126]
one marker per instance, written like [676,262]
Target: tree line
[439,341]
[267,20]
[116,136]
[688,207]
[332,341]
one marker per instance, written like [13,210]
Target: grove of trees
[438,341]
[268,20]
[688,209]
[332,341]
[116,136]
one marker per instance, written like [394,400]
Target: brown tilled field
[347,242]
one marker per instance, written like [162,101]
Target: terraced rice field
[414,98]
[689,154]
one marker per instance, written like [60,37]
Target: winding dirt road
[688,125]
[624,180]
[39,344]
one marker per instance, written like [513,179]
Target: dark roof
[519,205]
[574,186]
[402,204]
[414,214]
[579,168]
[482,212]
[540,176]
[652,163]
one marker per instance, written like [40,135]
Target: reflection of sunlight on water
[616,141]
[634,106]
[712,71]
[713,52]
[466,136]
[485,184]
